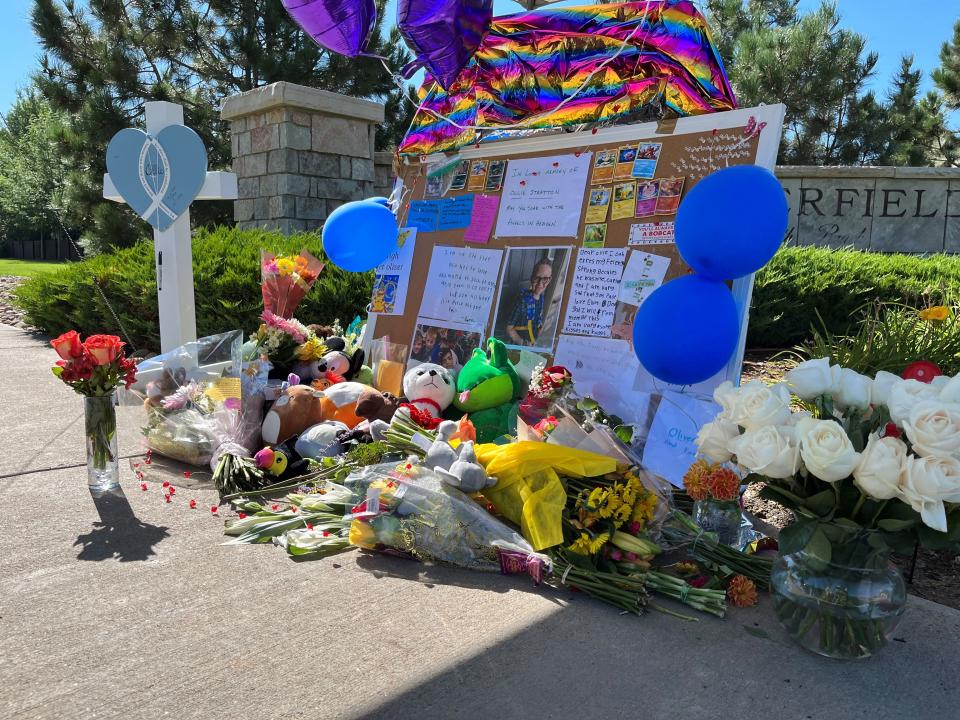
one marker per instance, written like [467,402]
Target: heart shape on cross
[158,177]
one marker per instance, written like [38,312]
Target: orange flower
[938,312]
[742,592]
[696,480]
[723,483]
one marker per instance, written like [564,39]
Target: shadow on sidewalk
[120,534]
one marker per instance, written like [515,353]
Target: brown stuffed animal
[376,405]
[300,407]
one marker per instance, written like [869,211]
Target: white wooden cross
[172,247]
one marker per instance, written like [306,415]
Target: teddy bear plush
[429,390]
[301,407]
[488,390]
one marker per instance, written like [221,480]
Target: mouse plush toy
[336,361]
[429,390]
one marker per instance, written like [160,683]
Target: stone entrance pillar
[298,154]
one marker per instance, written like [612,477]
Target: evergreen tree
[104,58]
[906,142]
[947,76]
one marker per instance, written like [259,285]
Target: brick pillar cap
[299,97]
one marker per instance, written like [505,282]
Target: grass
[28,268]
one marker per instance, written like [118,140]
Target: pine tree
[906,144]
[104,58]
[947,76]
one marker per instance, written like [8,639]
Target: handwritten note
[482,218]
[392,276]
[543,197]
[604,369]
[713,152]
[455,212]
[593,293]
[644,274]
[461,284]
[424,215]
[671,443]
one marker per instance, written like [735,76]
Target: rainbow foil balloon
[633,57]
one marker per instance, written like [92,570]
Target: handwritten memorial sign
[671,444]
[543,196]
[424,215]
[593,294]
[455,212]
[460,284]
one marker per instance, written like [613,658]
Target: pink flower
[616,555]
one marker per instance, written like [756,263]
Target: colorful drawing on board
[459,181]
[626,156]
[645,166]
[594,235]
[597,206]
[647,194]
[385,294]
[478,175]
[670,191]
[495,175]
[603,166]
[624,200]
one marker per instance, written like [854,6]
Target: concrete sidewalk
[129,607]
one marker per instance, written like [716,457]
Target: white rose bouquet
[868,465]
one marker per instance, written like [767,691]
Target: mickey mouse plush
[336,361]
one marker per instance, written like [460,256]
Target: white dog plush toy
[429,390]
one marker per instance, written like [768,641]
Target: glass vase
[100,424]
[846,610]
[722,517]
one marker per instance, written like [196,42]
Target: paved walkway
[129,607]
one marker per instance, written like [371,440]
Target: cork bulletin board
[681,151]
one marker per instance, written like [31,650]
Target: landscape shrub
[226,270]
[797,284]
[802,281]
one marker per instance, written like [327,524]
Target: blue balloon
[379,200]
[358,236]
[687,330]
[731,223]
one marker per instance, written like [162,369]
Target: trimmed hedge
[801,281]
[226,271]
[798,283]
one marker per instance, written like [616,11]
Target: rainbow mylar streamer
[528,63]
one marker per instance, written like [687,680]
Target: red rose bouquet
[94,369]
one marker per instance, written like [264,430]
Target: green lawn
[27,268]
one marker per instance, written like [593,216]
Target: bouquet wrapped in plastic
[200,400]
[409,509]
[286,279]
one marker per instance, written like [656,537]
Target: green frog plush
[488,389]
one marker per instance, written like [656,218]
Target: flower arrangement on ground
[869,465]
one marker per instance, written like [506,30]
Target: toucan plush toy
[280,461]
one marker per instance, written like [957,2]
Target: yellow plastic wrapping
[528,490]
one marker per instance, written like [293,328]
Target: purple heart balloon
[342,26]
[444,34]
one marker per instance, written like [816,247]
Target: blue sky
[889,31]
